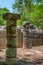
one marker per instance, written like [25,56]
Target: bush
[19,22]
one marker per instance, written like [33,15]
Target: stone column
[25,34]
[11,51]
[19,37]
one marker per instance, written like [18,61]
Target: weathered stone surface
[19,38]
[11,52]
[37,39]
[11,37]
[11,61]
[11,43]
[26,34]
[3,39]
[11,16]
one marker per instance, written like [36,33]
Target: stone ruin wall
[35,38]
[3,39]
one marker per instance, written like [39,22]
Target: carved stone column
[26,34]
[11,51]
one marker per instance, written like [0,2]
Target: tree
[36,16]
[23,7]
[31,10]
[2,11]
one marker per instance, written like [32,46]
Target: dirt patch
[32,56]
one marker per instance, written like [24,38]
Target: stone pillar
[26,41]
[11,51]
[19,37]
[25,34]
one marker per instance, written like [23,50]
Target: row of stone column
[11,50]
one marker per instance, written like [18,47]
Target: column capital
[11,16]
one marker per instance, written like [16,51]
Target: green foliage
[37,17]
[19,22]
[31,10]
[23,7]
[2,11]
[2,22]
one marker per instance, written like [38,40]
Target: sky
[7,3]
